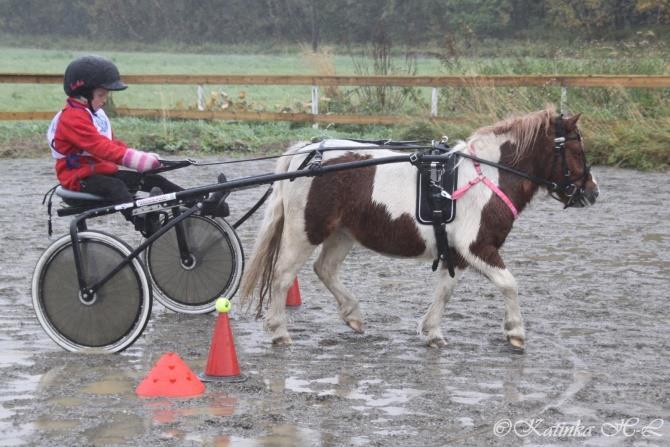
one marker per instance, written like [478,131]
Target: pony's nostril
[592,195]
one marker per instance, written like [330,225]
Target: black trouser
[120,187]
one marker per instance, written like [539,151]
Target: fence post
[315,104]
[201,97]
[433,103]
[564,99]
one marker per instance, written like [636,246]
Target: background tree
[335,21]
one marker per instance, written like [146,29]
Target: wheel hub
[88,297]
[188,263]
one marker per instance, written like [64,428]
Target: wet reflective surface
[594,294]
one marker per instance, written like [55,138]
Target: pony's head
[573,183]
[549,146]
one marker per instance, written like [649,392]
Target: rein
[551,186]
[566,186]
[376,145]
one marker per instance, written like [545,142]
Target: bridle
[567,186]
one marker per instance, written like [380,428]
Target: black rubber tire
[121,307]
[217,270]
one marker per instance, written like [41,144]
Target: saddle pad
[449,179]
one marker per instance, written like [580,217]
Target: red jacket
[80,148]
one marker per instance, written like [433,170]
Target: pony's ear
[571,122]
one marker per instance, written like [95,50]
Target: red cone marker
[222,363]
[293,294]
[170,377]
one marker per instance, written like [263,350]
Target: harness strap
[487,181]
[443,251]
[434,198]
[48,197]
[313,159]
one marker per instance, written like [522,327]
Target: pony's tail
[261,266]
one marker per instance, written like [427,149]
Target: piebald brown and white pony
[375,207]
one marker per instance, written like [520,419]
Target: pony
[374,206]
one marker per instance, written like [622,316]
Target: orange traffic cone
[222,363]
[170,377]
[293,294]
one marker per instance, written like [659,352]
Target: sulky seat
[77,196]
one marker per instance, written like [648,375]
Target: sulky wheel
[120,309]
[194,263]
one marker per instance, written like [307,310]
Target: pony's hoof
[282,341]
[516,342]
[356,325]
[436,342]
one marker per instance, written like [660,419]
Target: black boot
[215,205]
[152,221]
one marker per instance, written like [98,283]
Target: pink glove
[139,160]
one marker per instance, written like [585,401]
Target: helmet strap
[88,96]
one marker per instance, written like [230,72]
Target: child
[81,139]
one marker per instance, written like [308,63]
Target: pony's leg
[513,323]
[294,251]
[513,327]
[327,268]
[429,325]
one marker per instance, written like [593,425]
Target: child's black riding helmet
[87,73]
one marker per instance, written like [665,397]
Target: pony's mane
[523,129]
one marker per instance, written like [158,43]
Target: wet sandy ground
[594,294]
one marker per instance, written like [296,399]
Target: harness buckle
[316,160]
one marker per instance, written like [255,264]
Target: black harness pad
[431,180]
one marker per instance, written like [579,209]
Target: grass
[624,127]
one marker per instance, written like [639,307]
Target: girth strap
[443,251]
